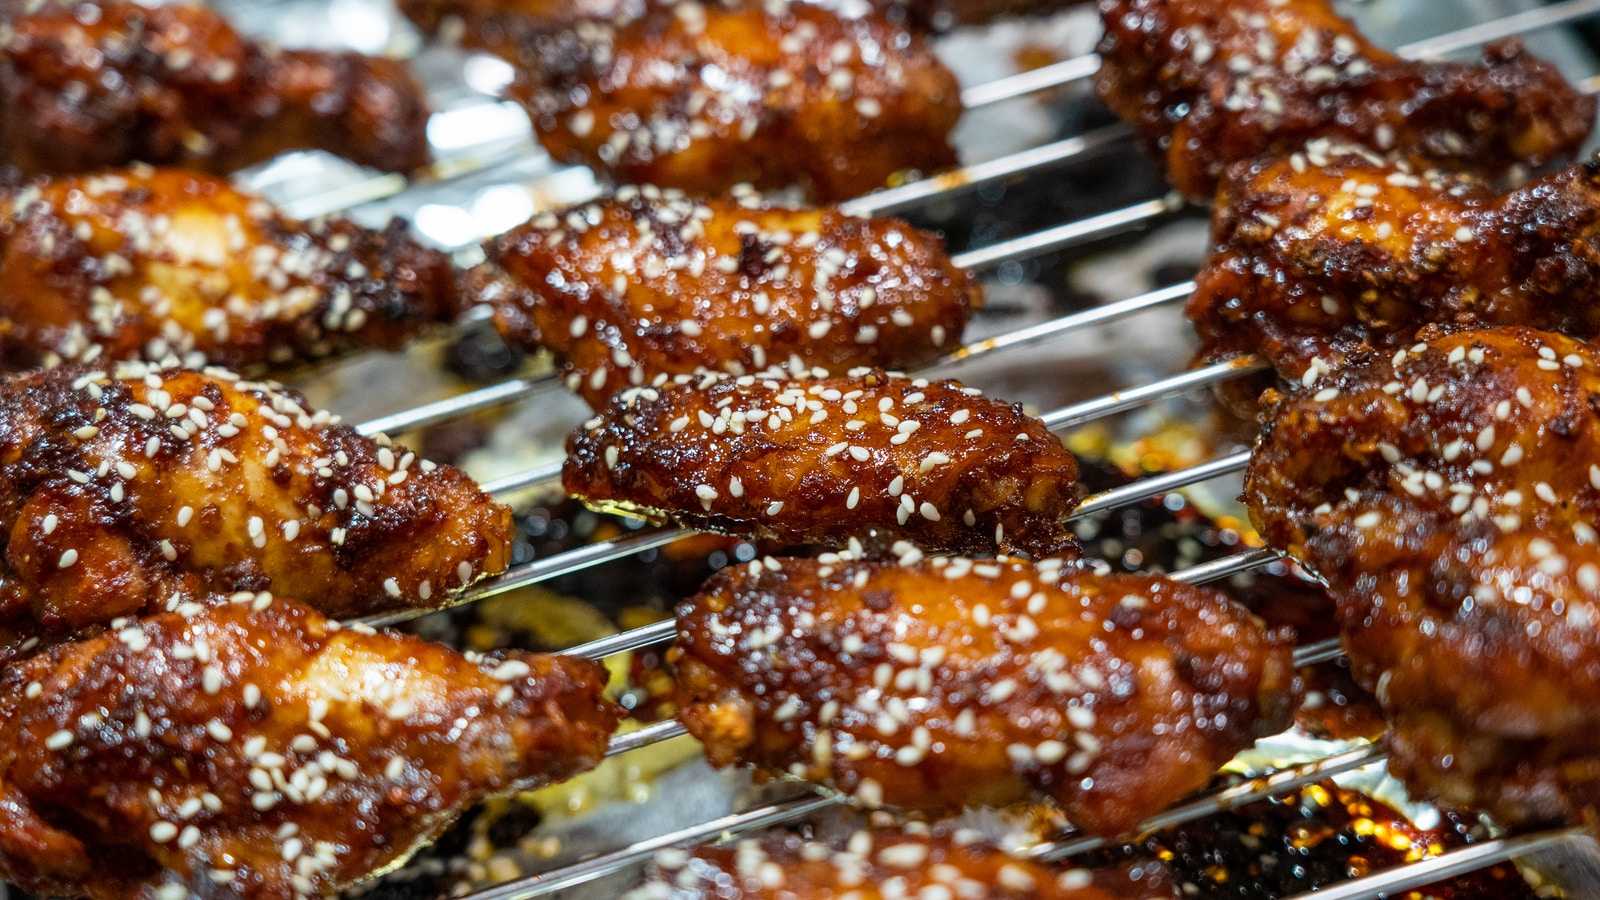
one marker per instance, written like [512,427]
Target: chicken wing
[1209,84]
[1450,494]
[651,284]
[703,97]
[254,749]
[936,684]
[85,85]
[821,460]
[147,263]
[1334,250]
[881,864]
[128,491]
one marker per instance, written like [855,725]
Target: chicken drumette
[937,684]
[96,83]
[705,96]
[882,864]
[822,460]
[651,284]
[131,490]
[1336,249]
[1450,494]
[255,749]
[1210,84]
[147,263]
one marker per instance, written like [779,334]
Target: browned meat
[823,460]
[1209,84]
[651,284]
[97,83]
[151,263]
[937,684]
[1335,250]
[255,749]
[130,491]
[1449,494]
[798,95]
[883,864]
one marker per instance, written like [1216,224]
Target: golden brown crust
[1210,84]
[254,750]
[1450,495]
[150,263]
[1334,250]
[822,460]
[937,684]
[87,85]
[650,284]
[123,495]
[882,864]
[802,96]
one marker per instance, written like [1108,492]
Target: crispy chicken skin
[801,96]
[1209,84]
[1335,249]
[96,83]
[651,284]
[254,749]
[1450,495]
[939,683]
[124,492]
[880,864]
[821,460]
[143,263]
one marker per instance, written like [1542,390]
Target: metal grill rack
[805,801]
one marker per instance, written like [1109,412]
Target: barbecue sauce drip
[1317,837]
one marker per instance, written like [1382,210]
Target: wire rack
[805,801]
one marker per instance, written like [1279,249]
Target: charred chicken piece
[127,491]
[1450,494]
[1335,249]
[801,95]
[651,284]
[936,684]
[1209,84]
[147,263]
[86,85]
[257,749]
[878,864]
[822,460]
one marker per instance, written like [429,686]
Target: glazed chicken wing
[1450,494]
[705,96]
[1209,84]
[147,263]
[1336,249]
[254,749]
[882,864]
[937,684]
[821,460]
[86,85]
[652,284]
[128,491]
